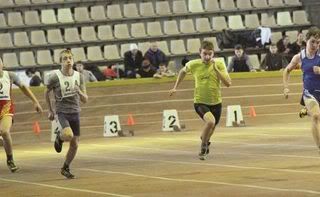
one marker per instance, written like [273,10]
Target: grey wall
[313,8]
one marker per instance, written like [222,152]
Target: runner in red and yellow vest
[7,110]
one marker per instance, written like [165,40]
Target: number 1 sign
[111,126]
[170,118]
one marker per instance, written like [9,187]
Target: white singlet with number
[68,83]
[5,85]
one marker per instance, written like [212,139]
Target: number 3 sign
[111,126]
[170,118]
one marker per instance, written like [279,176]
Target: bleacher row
[100,12]
[111,52]
[106,42]
[193,6]
[155,28]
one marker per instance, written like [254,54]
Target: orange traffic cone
[36,128]
[130,120]
[252,111]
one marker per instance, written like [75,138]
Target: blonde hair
[65,52]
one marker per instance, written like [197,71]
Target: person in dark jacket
[273,60]
[240,61]
[147,70]
[299,44]
[284,48]
[155,55]
[132,61]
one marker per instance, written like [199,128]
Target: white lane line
[185,120]
[62,188]
[186,100]
[188,152]
[39,152]
[160,113]
[202,181]
[157,122]
[271,135]
[182,180]
[313,147]
[191,152]
[166,101]
[179,90]
[130,148]
[284,170]
[232,142]
[191,90]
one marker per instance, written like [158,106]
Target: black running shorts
[202,109]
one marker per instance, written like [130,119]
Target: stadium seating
[99,31]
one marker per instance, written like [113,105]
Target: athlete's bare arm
[180,78]
[223,76]
[83,93]
[296,60]
[316,70]
[48,101]
[26,91]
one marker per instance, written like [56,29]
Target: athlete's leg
[313,109]
[65,170]
[65,134]
[205,145]
[74,121]
[73,147]
[205,113]
[72,150]
[216,111]
[5,126]
[303,112]
[210,123]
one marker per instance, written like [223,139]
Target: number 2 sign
[170,118]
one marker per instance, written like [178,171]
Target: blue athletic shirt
[311,81]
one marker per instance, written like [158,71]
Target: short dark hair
[184,61]
[30,71]
[273,45]
[238,47]
[207,45]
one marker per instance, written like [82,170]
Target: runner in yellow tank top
[208,75]
[207,84]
